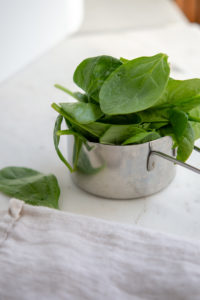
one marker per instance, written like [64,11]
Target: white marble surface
[27,120]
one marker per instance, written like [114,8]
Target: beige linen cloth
[49,254]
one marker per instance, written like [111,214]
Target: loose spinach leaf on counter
[128,102]
[33,187]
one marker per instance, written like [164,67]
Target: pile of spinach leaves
[129,102]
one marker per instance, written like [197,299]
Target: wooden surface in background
[191,9]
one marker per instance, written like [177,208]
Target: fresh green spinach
[124,102]
[77,95]
[129,102]
[84,113]
[135,85]
[142,137]
[91,131]
[117,134]
[179,121]
[185,144]
[56,138]
[29,185]
[92,72]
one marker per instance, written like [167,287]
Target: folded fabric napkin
[49,254]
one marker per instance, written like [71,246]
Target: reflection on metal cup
[121,172]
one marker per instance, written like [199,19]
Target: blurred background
[30,28]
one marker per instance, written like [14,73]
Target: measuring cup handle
[150,166]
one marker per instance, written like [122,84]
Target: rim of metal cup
[153,152]
[132,145]
[124,190]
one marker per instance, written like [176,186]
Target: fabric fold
[51,254]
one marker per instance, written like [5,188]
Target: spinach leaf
[121,119]
[135,85]
[78,142]
[179,121]
[196,129]
[77,95]
[166,131]
[83,113]
[81,97]
[56,139]
[76,151]
[183,134]
[183,94]
[97,128]
[194,116]
[138,102]
[154,115]
[92,72]
[142,137]
[29,185]
[185,144]
[71,132]
[157,125]
[117,134]
[90,131]
[124,60]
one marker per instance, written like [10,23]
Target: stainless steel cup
[123,172]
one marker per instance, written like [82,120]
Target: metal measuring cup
[126,172]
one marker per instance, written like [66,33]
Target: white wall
[30,27]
